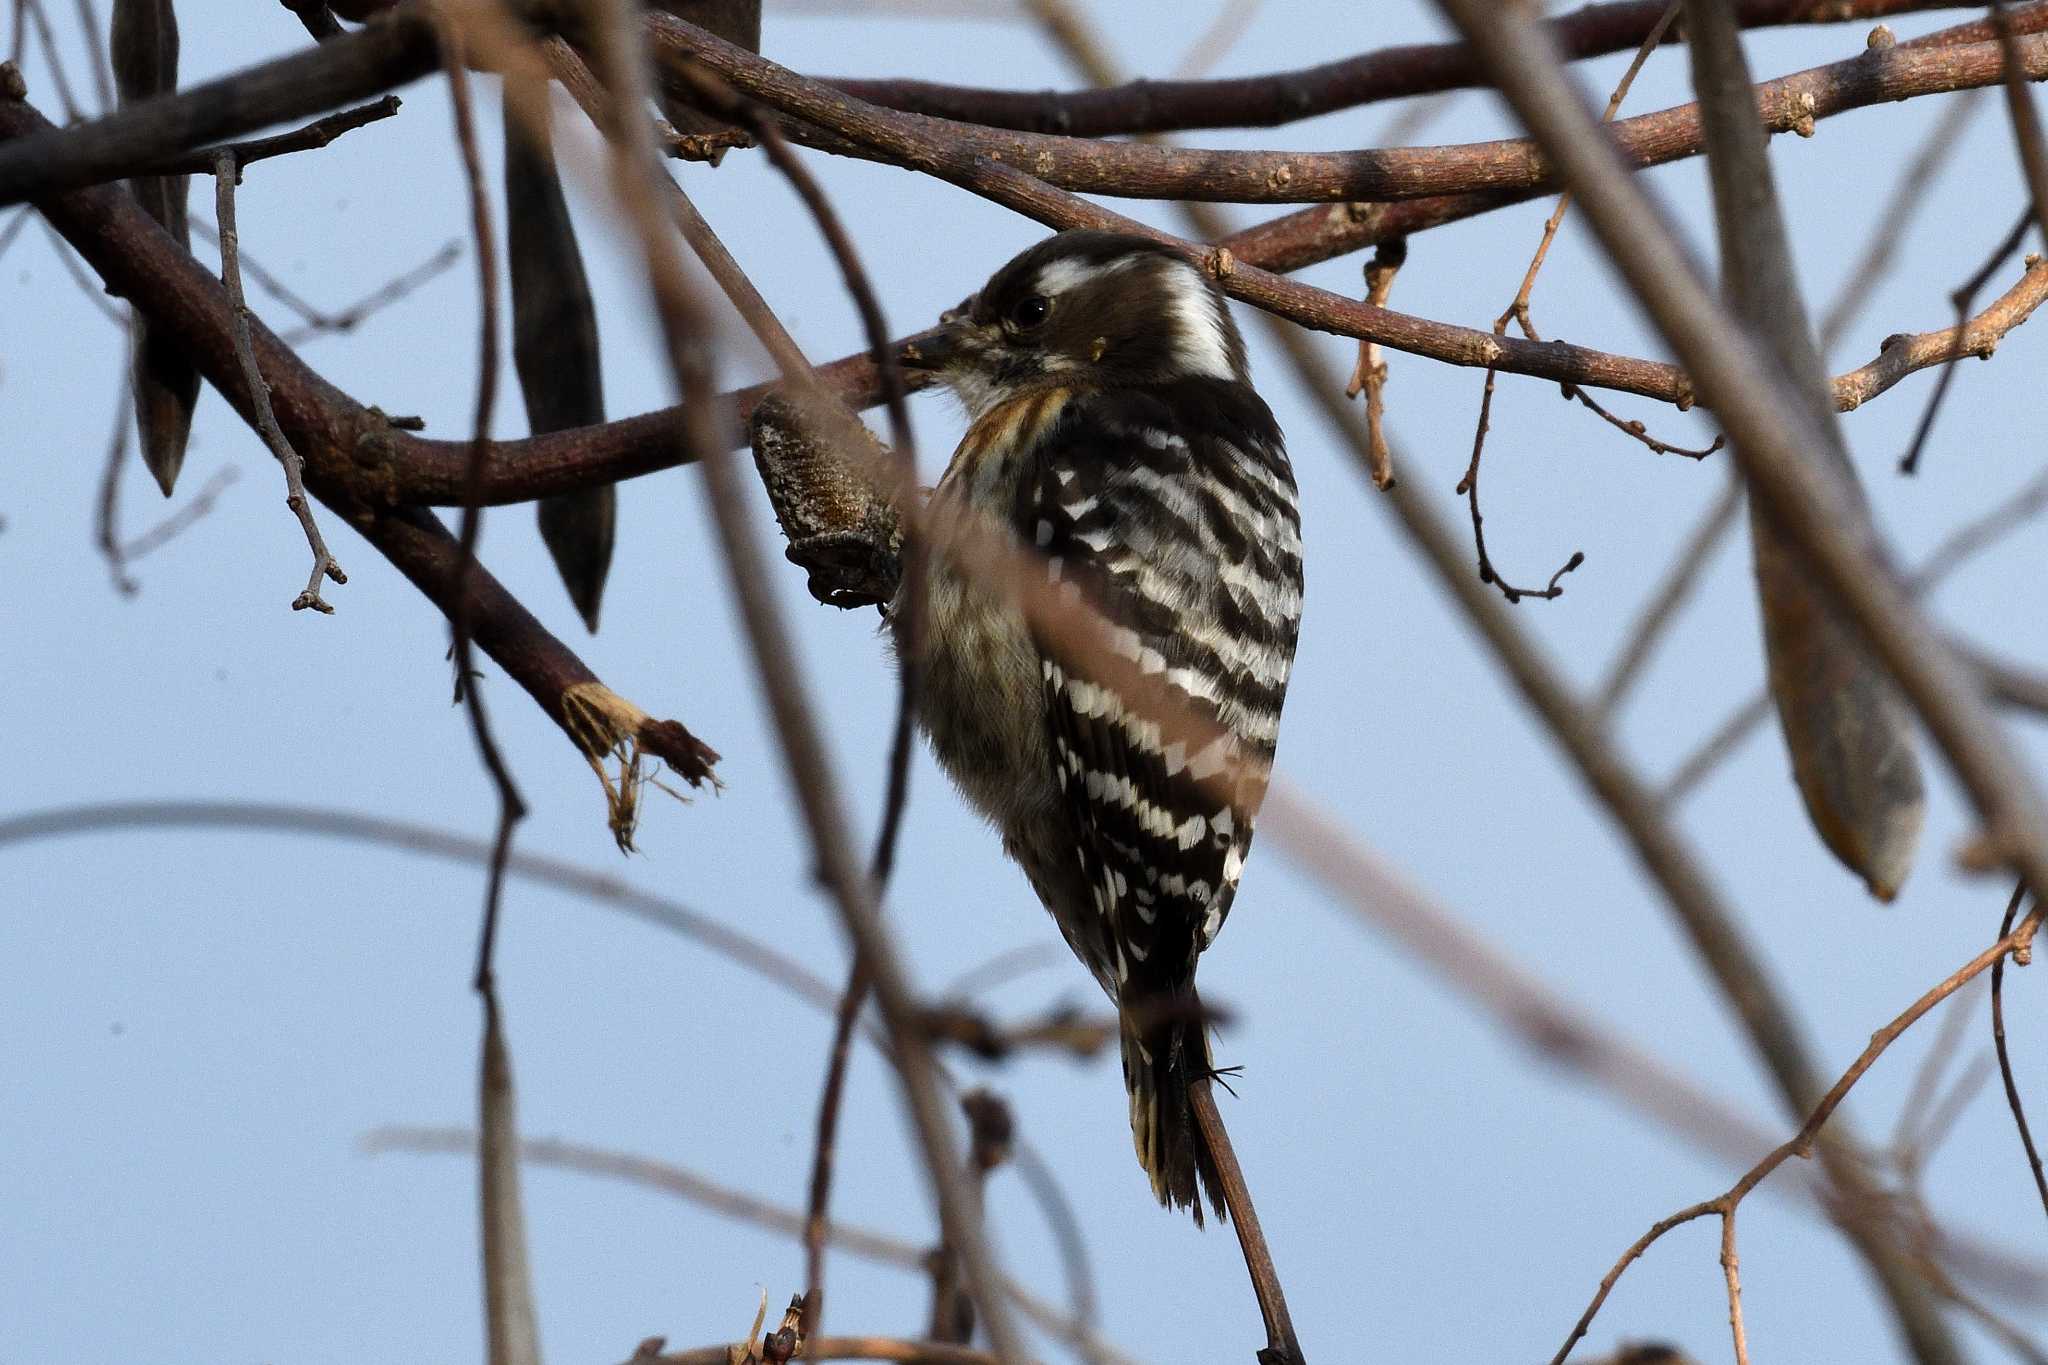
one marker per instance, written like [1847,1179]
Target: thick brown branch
[389,53]
[1142,170]
[349,451]
[1147,106]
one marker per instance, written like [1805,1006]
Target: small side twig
[1468,488]
[225,174]
[1962,298]
[312,137]
[1370,376]
[2005,1073]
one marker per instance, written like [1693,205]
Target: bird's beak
[938,349]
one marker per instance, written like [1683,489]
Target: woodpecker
[1114,429]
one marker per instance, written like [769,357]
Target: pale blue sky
[197,1028]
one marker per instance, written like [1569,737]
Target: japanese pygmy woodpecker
[1115,430]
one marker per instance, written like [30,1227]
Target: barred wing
[1172,510]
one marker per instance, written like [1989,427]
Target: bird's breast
[981,696]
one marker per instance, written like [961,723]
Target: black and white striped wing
[1172,510]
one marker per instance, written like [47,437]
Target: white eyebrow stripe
[1199,338]
[1062,275]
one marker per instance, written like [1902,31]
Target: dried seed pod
[144,47]
[840,529]
[555,347]
[1844,725]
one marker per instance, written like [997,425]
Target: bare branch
[1156,106]
[225,174]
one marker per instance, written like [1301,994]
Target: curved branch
[1144,170]
[1147,106]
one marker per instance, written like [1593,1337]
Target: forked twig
[1964,295]
[1800,1144]
[225,174]
[1518,311]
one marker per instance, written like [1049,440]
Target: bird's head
[1094,309]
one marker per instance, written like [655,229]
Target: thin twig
[508,1288]
[764,960]
[110,495]
[1281,1346]
[831,1097]
[1964,295]
[324,565]
[1802,1143]
[312,137]
[2026,120]
[1468,488]
[511,805]
[1213,43]
[1370,375]
[1044,1187]
[2005,1072]
[353,315]
[729,1202]
[1518,311]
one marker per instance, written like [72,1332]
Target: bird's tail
[1166,1049]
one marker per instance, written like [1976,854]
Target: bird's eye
[1029,311]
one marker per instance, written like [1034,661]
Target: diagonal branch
[349,451]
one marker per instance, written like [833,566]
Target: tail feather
[1161,1060]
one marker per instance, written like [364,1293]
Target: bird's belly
[982,704]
